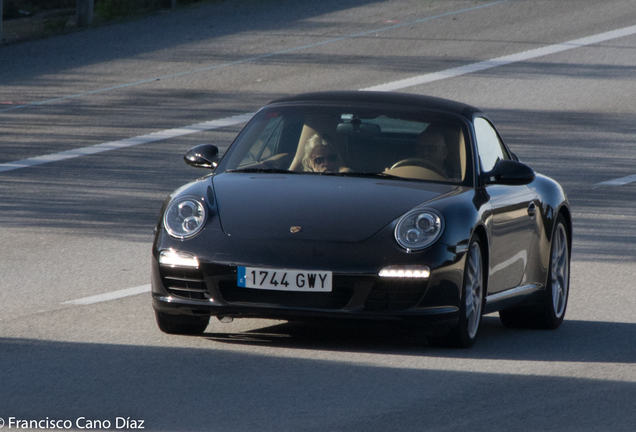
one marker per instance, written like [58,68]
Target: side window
[266,144]
[490,148]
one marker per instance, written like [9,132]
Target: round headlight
[184,218]
[418,229]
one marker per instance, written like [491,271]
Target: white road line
[618,182]
[392,86]
[505,60]
[109,296]
[128,142]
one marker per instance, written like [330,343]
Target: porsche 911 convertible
[364,205]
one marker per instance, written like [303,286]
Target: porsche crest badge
[294,229]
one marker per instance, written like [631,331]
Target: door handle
[532,209]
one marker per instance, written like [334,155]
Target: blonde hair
[314,142]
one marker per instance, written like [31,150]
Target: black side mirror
[509,172]
[203,156]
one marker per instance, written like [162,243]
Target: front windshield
[352,141]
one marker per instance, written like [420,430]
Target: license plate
[284,280]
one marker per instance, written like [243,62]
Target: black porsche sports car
[364,205]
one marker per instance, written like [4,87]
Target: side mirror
[509,172]
[203,156]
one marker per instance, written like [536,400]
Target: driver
[431,145]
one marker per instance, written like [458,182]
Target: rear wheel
[181,324]
[471,307]
[552,312]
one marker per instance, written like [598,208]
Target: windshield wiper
[263,170]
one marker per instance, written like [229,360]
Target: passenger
[322,156]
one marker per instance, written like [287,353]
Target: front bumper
[212,290]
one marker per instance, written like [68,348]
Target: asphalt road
[81,227]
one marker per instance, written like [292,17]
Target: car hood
[326,208]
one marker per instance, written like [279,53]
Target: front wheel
[551,314]
[471,307]
[181,324]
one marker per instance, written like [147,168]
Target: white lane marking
[261,57]
[505,60]
[397,85]
[128,142]
[109,296]
[618,182]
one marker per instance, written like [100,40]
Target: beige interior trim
[462,154]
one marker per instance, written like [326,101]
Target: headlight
[184,218]
[418,229]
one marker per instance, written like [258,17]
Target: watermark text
[121,423]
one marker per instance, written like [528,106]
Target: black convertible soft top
[390,98]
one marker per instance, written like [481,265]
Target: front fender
[463,213]
[552,201]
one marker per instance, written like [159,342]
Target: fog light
[173,258]
[407,271]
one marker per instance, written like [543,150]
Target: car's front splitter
[435,316]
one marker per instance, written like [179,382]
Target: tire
[181,324]
[550,315]
[472,302]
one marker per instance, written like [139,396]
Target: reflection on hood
[325,208]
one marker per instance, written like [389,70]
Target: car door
[513,219]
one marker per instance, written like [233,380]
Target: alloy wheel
[474,290]
[560,271]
